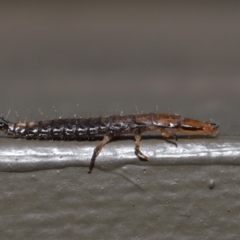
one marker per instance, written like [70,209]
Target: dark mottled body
[77,128]
[108,127]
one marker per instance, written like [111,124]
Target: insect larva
[108,127]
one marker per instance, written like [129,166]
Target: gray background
[87,59]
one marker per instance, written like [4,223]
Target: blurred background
[89,58]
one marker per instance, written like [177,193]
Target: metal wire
[21,155]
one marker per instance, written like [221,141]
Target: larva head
[197,127]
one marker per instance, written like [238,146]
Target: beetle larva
[108,127]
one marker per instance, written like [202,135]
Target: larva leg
[167,134]
[107,138]
[140,155]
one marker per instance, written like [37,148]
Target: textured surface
[89,59]
[187,191]
[190,195]
[21,155]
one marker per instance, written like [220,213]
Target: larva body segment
[108,127]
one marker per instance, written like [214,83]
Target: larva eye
[214,125]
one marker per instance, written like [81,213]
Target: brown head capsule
[192,126]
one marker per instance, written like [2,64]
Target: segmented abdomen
[65,128]
[77,128]
[59,129]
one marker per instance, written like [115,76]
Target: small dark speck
[228,210]
[211,184]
